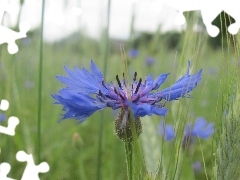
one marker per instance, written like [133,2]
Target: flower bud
[126,125]
[77,140]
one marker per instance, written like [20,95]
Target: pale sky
[60,21]
[63,17]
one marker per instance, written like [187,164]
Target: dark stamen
[153,102]
[135,76]
[155,86]
[100,96]
[119,94]
[124,80]
[104,84]
[159,99]
[122,97]
[110,97]
[115,90]
[118,81]
[163,104]
[156,100]
[101,99]
[139,83]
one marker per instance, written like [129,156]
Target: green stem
[40,86]
[99,157]
[106,52]
[129,157]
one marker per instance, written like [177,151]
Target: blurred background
[66,17]
[146,34]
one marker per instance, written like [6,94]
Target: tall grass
[39,114]
[227,138]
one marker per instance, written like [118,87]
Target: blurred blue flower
[132,53]
[201,129]
[149,61]
[166,130]
[2,117]
[86,92]
[197,166]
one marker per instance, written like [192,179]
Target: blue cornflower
[149,61]
[86,92]
[2,117]
[132,53]
[197,166]
[201,129]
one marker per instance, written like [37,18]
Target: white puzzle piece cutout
[10,129]
[209,10]
[6,7]
[31,171]
[7,35]
[12,121]
[4,105]
[4,170]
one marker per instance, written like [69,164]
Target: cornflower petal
[183,86]
[146,109]
[82,80]
[159,80]
[149,79]
[78,106]
[96,72]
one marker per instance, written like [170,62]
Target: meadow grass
[72,150]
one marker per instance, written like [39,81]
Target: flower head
[86,92]
[201,129]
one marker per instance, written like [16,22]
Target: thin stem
[106,52]
[132,25]
[99,157]
[129,157]
[40,86]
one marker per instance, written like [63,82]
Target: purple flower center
[121,95]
